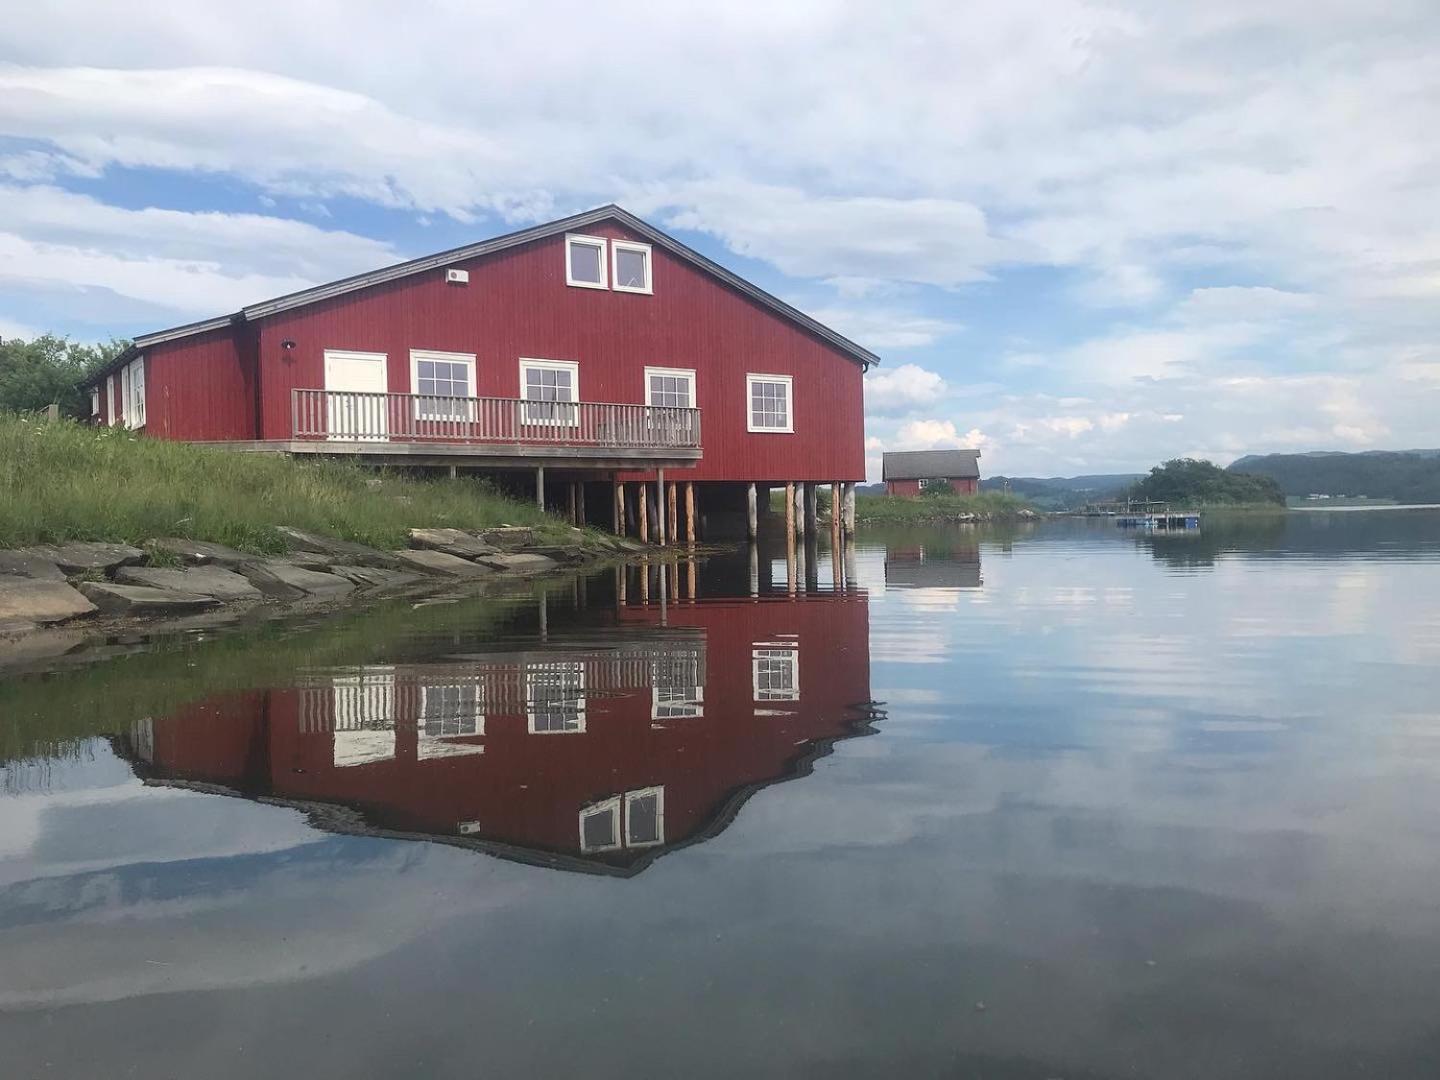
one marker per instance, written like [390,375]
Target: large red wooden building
[586,352]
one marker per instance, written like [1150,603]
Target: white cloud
[881,328]
[901,389]
[937,435]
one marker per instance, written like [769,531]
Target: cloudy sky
[1084,236]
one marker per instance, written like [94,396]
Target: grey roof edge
[609,212]
[893,463]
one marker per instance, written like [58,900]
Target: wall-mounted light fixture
[289,346]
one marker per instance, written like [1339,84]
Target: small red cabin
[586,351]
[906,472]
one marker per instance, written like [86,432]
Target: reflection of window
[645,817]
[770,402]
[670,387]
[632,266]
[550,388]
[555,697]
[444,381]
[776,673]
[600,826]
[585,261]
[644,811]
[674,702]
[447,713]
[364,721]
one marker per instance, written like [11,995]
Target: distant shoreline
[1370,508]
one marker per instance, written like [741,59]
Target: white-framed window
[449,712]
[600,826]
[645,817]
[114,393]
[94,401]
[132,387]
[585,261]
[550,389]
[770,401]
[555,697]
[670,387]
[775,672]
[445,382]
[630,266]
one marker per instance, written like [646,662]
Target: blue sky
[1084,236]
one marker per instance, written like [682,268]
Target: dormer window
[585,261]
[631,266]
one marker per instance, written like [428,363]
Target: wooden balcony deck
[506,432]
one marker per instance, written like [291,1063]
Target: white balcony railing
[342,415]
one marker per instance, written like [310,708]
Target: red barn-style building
[905,472]
[584,352]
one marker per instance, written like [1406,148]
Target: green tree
[49,370]
[1192,482]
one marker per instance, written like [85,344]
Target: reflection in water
[938,561]
[595,750]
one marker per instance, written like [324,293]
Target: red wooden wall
[910,489]
[526,789]
[517,304]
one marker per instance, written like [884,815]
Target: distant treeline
[1063,492]
[1405,476]
[1192,482]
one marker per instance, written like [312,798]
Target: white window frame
[534,674]
[430,747]
[94,402]
[688,374]
[763,650]
[468,359]
[612,807]
[617,246]
[588,241]
[564,418]
[690,705]
[114,394]
[788,381]
[631,796]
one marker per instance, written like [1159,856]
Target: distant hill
[1402,475]
[1063,492]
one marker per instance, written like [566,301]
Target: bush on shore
[989,505]
[66,481]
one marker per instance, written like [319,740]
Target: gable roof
[610,212]
[931,465]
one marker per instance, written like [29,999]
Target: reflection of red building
[593,753]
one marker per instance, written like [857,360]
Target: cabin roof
[931,465]
[609,212]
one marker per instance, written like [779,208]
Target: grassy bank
[66,481]
[988,506]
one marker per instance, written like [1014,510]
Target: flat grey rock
[80,557]
[561,553]
[29,565]
[441,563]
[518,563]
[143,600]
[308,560]
[213,581]
[451,541]
[199,552]
[289,582]
[338,550]
[41,602]
[374,576]
[509,537]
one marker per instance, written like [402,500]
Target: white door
[356,384]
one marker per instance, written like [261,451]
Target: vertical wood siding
[199,389]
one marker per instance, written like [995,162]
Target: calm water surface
[1067,802]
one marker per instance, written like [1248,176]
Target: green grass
[993,505]
[66,481]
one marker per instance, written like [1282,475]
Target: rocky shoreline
[56,597]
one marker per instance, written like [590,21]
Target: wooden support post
[811,500]
[690,512]
[754,519]
[580,503]
[570,502]
[642,496]
[693,578]
[672,518]
[660,504]
[796,495]
[849,520]
[540,486]
[618,510]
[790,511]
[837,512]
